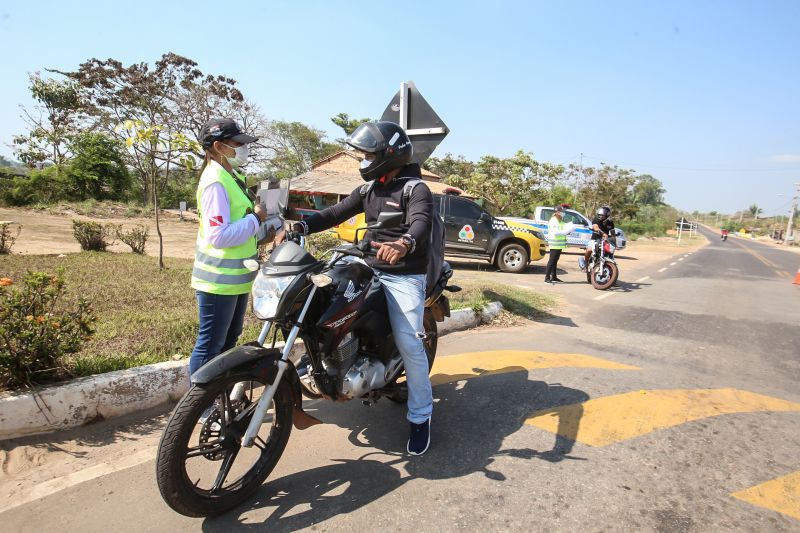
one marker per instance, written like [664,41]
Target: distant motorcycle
[602,271]
[724,235]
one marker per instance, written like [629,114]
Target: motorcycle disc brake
[212,427]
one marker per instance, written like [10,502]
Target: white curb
[85,400]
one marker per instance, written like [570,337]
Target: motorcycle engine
[356,374]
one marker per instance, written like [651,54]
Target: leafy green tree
[52,123]
[608,185]
[450,167]
[510,184]
[98,169]
[348,124]
[149,108]
[648,191]
[292,148]
[755,210]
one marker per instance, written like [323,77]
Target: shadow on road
[472,418]
[624,286]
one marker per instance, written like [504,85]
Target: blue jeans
[405,299]
[221,319]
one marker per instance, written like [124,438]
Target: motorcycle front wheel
[604,277]
[201,468]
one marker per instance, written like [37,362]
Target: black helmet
[389,143]
[604,212]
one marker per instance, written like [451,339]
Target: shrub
[8,236]
[38,329]
[93,236]
[136,237]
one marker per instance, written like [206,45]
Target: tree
[53,122]
[97,169]
[755,210]
[164,105]
[648,191]
[512,185]
[292,147]
[608,185]
[348,124]
[450,167]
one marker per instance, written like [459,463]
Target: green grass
[146,315]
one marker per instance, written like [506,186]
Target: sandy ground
[44,233]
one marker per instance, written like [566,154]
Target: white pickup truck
[578,237]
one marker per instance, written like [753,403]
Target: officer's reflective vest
[221,270]
[556,242]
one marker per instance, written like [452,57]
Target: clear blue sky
[704,95]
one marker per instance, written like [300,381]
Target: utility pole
[791,215]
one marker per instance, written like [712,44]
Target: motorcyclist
[401,257]
[724,235]
[602,227]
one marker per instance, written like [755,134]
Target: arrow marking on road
[780,494]
[471,365]
[611,419]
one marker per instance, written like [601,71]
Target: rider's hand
[390,252]
[260,212]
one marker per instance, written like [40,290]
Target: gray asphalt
[721,318]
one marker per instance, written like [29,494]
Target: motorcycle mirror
[388,219]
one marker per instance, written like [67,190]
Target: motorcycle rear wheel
[431,342]
[607,278]
[176,447]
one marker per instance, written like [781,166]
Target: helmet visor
[366,138]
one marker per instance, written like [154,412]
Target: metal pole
[404,105]
[680,231]
[791,215]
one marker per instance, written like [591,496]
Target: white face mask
[240,157]
[365,163]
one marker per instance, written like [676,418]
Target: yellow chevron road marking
[465,366]
[780,494]
[611,419]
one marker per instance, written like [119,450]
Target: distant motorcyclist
[602,227]
[724,235]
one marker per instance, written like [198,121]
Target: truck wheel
[512,258]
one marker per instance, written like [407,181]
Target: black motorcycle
[228,432]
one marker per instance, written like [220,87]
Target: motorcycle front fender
[261,363]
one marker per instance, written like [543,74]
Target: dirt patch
[47,233]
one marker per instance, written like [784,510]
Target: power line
[691,169]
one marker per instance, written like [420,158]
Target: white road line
[605,295]
[642,279]
[673,263]
[663,269]
[680,259]
[87,474]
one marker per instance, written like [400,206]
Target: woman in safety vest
[229,221]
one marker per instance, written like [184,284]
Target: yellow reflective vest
[221,270]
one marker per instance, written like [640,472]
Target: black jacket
[382,198]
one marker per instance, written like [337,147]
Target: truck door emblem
[466,234]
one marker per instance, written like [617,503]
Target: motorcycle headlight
[267,292]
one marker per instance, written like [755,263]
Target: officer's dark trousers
[552,264]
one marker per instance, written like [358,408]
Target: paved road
[671,404]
